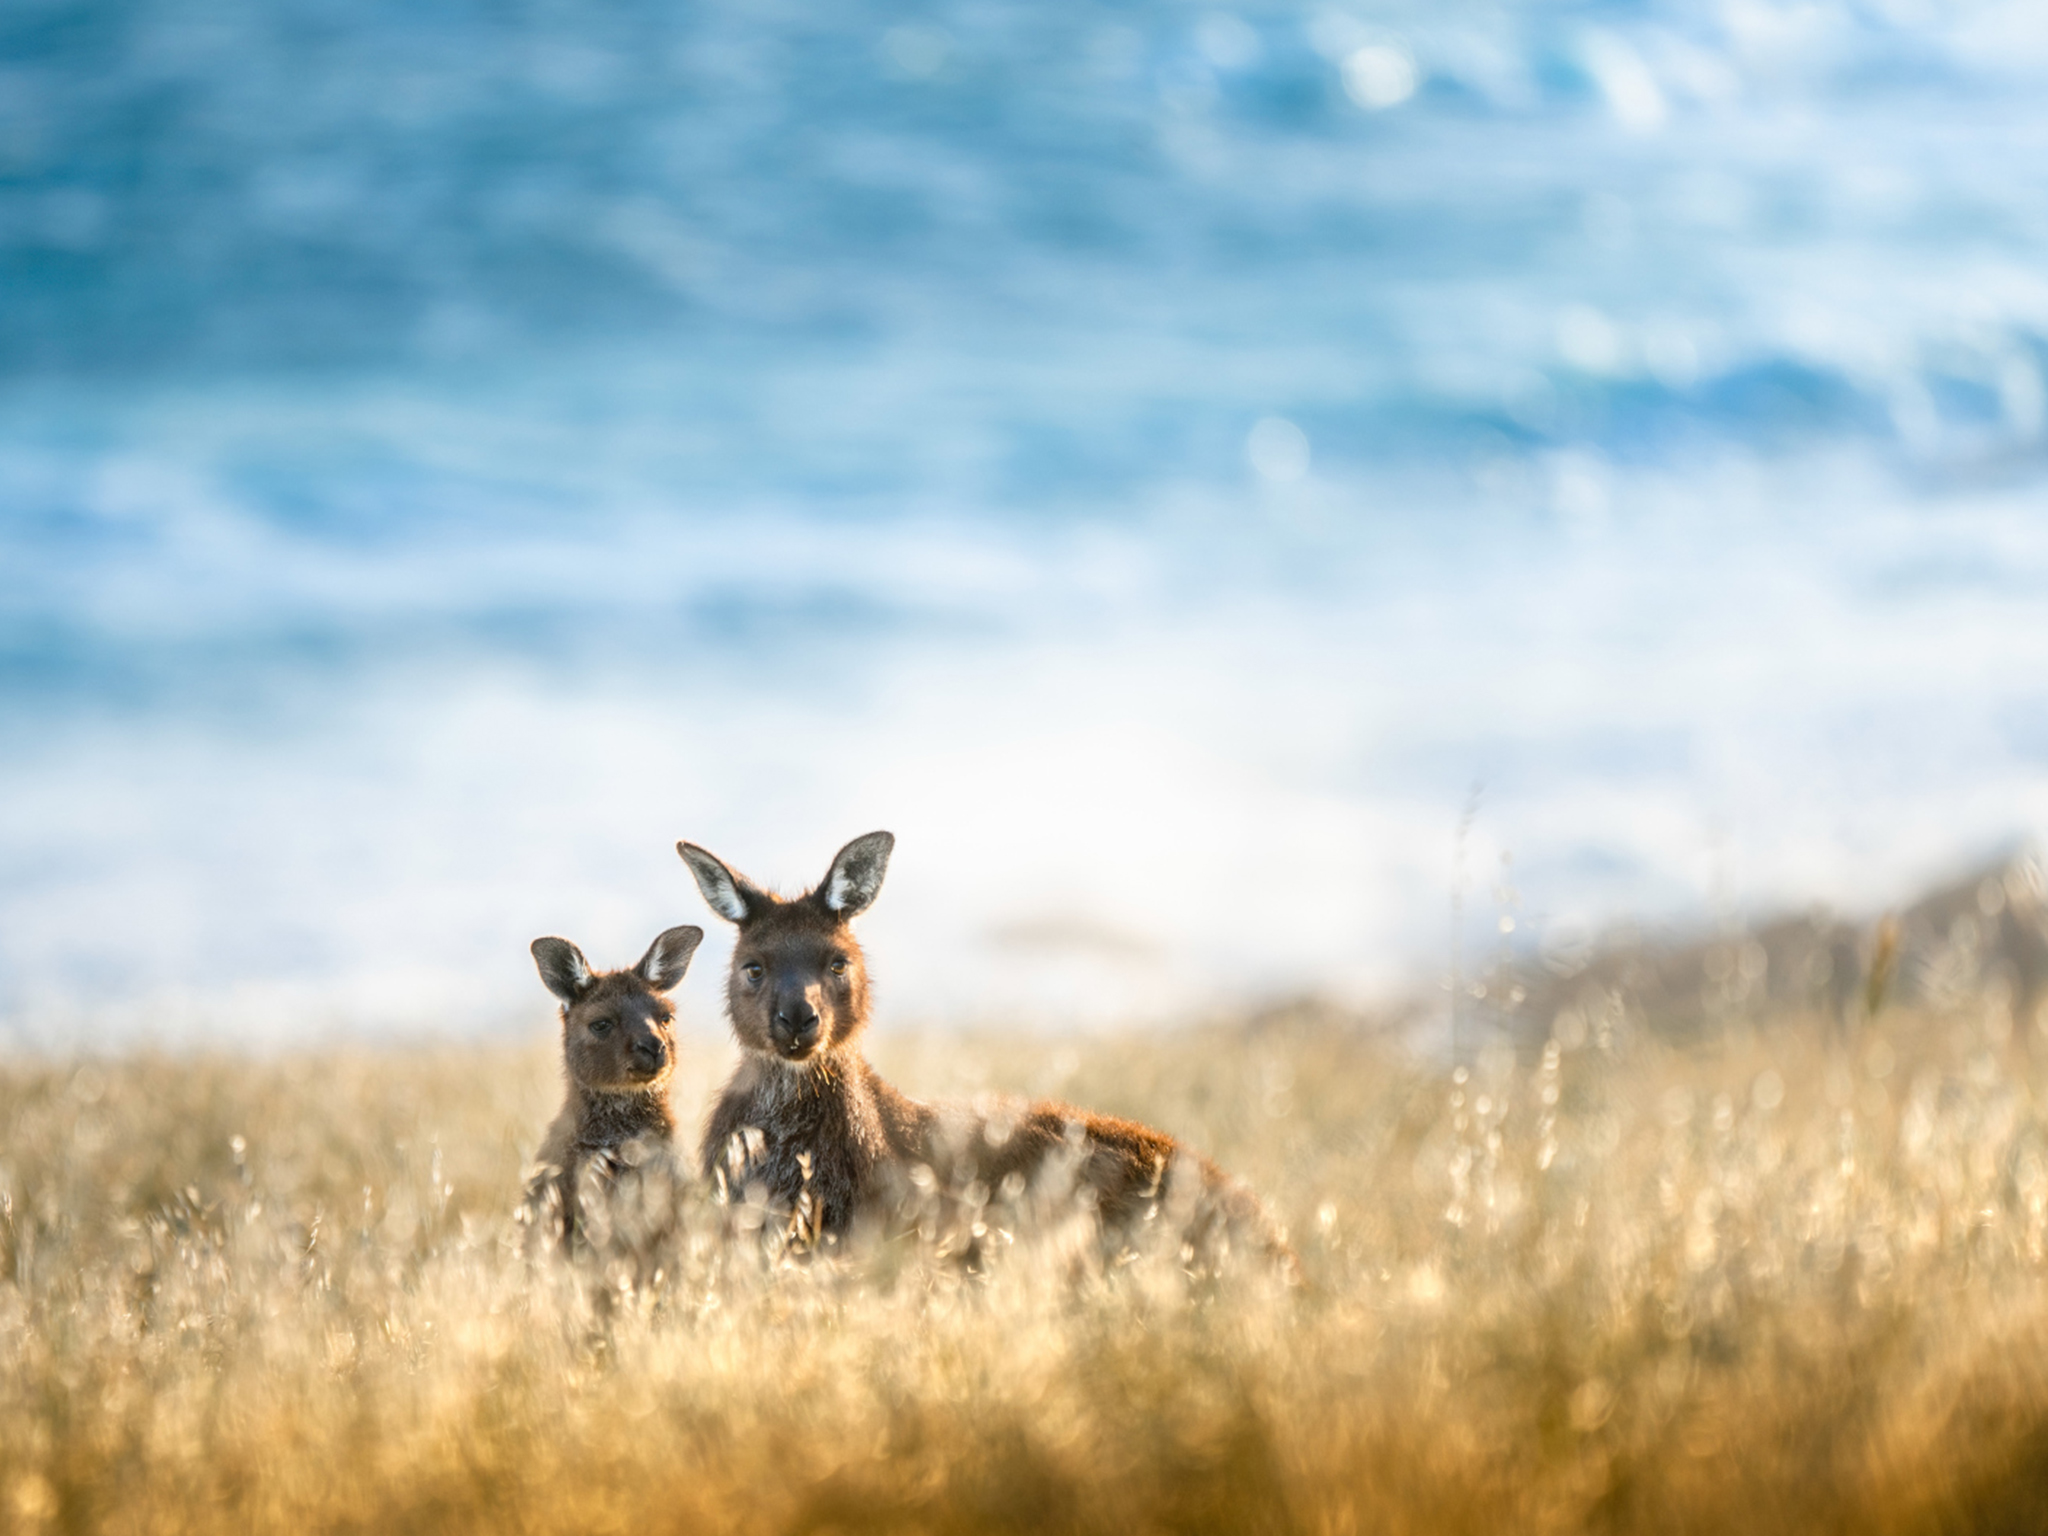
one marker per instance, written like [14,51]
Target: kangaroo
[618,1051]
[808,1119]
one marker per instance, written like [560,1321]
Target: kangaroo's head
[799,986]
[617,1026]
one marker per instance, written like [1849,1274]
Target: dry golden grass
[1778,1286]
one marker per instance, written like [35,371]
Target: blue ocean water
[1160,459]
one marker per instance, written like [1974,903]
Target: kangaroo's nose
[649,1052]
[797,1025]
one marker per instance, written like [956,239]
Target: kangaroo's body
[821,1133]
[618,1054]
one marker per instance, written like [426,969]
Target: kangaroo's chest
[810,1154]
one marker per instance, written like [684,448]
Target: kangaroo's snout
[649,1054]
[795,1026]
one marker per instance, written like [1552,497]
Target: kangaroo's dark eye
[838,967]
[752,970]
[600,1027]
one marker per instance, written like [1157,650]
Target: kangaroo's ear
[563,970]
[669,956]
[855,878]
[732,896]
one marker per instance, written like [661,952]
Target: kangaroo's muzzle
[648,1057]
[795,1030]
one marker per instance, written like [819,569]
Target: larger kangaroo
[808,1119]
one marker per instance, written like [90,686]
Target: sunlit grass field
[1790,1280]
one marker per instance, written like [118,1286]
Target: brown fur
[824,1137]
[618,1055]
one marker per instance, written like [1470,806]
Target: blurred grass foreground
[1786,1277]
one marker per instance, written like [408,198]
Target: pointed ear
[732,896]
[855,878]
[563,970]
[668,957]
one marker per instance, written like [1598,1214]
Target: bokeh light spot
[1379,76]
[1278,450]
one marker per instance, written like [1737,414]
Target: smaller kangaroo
[808,1119]
[618,1051]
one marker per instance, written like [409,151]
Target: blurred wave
[1220,436]
[1630,225]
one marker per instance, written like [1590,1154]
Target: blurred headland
[1975,943]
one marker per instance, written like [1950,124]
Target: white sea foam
[1709,703]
